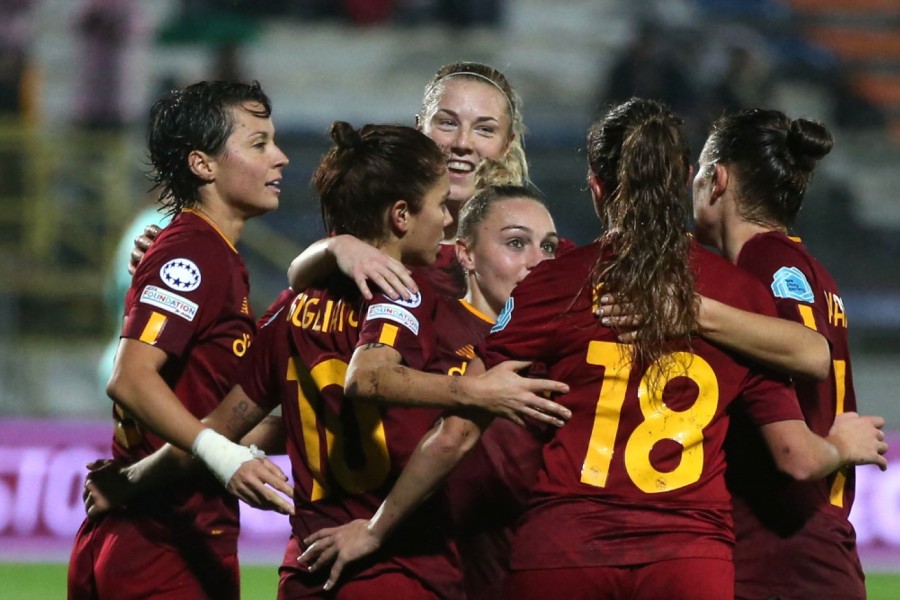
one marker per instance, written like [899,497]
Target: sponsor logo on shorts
[169,302]
[790,282]
[395,314]
[504,317]
[181,275]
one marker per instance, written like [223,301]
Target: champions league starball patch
[413,302]
[181,274]
[790,282]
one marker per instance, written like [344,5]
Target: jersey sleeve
[519,332]
[263,368]
[768,397]
[177,291]
[788,276]
[405,325]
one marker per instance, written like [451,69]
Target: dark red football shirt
[189,297]
[346,454]
[794,538]
[637,474]
[487,488]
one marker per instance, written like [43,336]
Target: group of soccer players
[623,371]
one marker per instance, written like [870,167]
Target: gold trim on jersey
[388,334]
[153,328]
[213,225]
[806,313]
[476,312]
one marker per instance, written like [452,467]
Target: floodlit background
[77,78]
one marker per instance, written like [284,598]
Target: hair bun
[345,136]
[808,140]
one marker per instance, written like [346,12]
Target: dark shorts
[385,585]
[677,579]
[297,583]
[112,559]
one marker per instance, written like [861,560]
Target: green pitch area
[48,581]
[44,581]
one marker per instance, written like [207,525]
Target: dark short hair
[197,117]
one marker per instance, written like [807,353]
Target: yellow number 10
[367,438]
[660,422]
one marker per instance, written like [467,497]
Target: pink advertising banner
[42,469]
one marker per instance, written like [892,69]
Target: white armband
[221,455]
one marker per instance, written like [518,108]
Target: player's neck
[227,222]
[738,234]
[478,301]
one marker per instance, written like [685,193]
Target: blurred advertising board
[42,469]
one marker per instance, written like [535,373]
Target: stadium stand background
[69,187]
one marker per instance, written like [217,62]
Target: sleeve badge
[181,275]
[790,282]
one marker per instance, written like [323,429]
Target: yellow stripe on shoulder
[153,328]
[388,334]
[806,313]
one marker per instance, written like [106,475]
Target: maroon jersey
[346,455]
[487,488]
[794,538]
[189,297]
[637,474]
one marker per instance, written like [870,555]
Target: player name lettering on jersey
[836,315]
[169,302]
[307,313]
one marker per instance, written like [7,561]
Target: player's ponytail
[639,155]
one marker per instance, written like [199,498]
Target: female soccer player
[504,231]
[187,323]
[472,112]
[631,500]
[794,539]
[344,452]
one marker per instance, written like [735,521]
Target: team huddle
[472,406]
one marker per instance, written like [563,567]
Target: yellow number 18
[660,422]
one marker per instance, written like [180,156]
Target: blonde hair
[494,183]
[515,160]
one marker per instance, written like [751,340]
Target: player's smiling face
[514,236]
[248,170]
[471,122]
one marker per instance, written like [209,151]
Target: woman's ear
[201,165]
[399,216]
[596,186]
[720,181]
[509,144]
[464,254]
